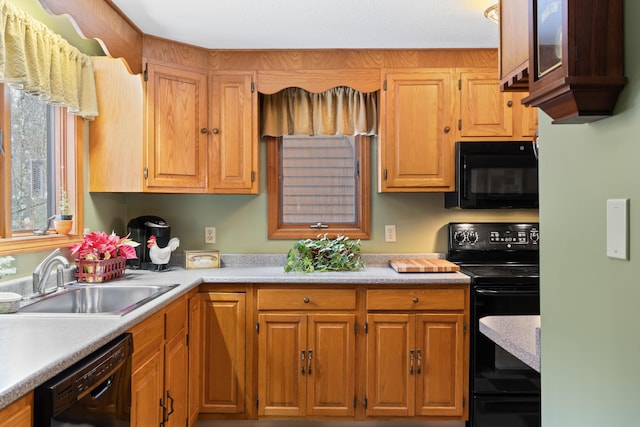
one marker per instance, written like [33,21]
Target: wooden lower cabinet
[417,352]
[19,413]
[159,379]
[306,364]
[220,359]
[415,365]
[333,352]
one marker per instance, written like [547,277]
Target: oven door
[494,370]
[510,411]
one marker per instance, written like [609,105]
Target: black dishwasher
[95,392]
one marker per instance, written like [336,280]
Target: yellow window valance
[39,61]
[338,111]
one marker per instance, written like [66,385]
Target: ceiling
[319,24]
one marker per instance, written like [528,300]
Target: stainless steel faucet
[43,270]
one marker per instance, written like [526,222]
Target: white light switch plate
[618,228]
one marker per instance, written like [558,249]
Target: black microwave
[495,175]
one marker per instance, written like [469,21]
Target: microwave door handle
[463,182]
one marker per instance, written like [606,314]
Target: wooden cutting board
[429,265]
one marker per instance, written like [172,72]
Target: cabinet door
[484,110]
[282,364]
[390,370]
[529,116]
[176,148]
[331,359]
[440,364]
[176,374]
[233,158]
[19,413]
[223,353]
[147,392]
[416,142]
[196,345]
[116,134]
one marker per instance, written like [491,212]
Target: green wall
[589,302]
[241,221]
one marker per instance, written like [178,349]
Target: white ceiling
[316,24]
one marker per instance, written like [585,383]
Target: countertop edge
[516,334]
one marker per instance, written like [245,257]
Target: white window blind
[318,178]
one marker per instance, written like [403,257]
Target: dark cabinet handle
[310,352]
[204,131]
[410,362]
[172,409]
[305,300]
[509,103]
[419,357]
[415,300]
[164,413]
[302,356]
[215,131]
[447,129]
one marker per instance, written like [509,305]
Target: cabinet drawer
[415,299]
[306,299]
[148,338]
[175,318]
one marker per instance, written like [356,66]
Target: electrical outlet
[209,234]
[389,233]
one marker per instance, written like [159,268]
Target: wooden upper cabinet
[576,58]
[484,110]
[176,147]
[514,45]
[116,134]
[233,128]
[416,130]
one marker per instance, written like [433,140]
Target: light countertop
[519,335]
[36,347]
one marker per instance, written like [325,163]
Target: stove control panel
[494,236]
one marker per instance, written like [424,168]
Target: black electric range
[502,261]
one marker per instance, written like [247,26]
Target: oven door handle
[493,292]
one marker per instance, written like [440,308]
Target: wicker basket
[98,271]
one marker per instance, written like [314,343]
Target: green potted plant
[63,222]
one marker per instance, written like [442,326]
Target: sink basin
[97,299]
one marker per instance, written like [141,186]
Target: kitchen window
[41,151]
[318,185]
[318,161]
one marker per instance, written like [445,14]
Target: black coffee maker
[140,229]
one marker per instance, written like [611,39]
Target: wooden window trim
[276,230]
[70,130]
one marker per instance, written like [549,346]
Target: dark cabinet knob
[509,103]
[204,130]
[215,131]
[415,300]
[447,129]
[305,300]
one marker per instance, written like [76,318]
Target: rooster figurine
[161,256]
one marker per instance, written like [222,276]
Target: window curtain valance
[338,111]
[37,60]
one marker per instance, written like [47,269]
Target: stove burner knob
[534,235]
[459,236]
[472,236]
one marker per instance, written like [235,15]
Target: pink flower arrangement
[99,245]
